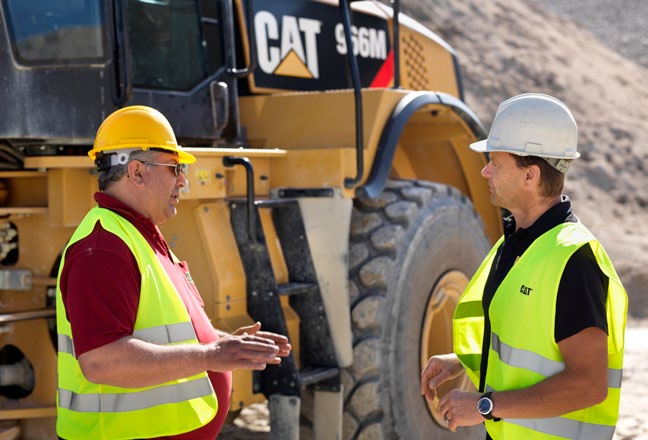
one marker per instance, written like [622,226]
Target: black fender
[395,125]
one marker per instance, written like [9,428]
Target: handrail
[396,43]
[241,73]
[230,161]
[123,90]
[355,78]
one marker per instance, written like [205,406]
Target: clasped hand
[458,408]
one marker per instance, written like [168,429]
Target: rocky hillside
[620,24]
[507,47]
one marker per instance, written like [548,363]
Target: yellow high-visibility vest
[94,411]
[523,350]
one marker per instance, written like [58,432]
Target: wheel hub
[437,332]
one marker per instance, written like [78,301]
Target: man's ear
[533,174]
[135,171]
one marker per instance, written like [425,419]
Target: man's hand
[280,340]
[438,370]
[459,408]
[248,347]
[233,352]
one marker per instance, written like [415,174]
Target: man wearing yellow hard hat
[138,357]
[539,329]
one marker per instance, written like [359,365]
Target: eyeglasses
[177,167]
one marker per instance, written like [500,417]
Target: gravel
[622,25]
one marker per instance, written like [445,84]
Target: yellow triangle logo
[292,65]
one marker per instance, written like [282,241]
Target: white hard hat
[533,124]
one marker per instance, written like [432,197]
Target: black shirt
[582,292]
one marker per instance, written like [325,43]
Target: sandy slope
[620,24]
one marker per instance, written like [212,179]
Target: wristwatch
[485,406]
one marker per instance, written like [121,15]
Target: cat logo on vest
[524,290]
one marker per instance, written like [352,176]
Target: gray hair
[116,172]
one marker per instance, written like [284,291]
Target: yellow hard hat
[134,128]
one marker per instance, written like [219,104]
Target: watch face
[485,405]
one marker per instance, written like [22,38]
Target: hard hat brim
[183,156]
[484,147]
[480,146]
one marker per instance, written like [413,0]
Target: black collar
[552,217]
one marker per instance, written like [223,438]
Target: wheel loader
[334,198]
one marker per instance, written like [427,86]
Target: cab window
[56,31]
[166,44]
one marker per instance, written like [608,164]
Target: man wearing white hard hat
[539,329]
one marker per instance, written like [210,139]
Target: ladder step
[273,203]
[311,375]
[290,289]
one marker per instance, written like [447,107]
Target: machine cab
[80,60]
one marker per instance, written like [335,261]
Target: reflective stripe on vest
[541,365]
[65,344]
[162,335]
[167,334]
[120,402]
[567,428]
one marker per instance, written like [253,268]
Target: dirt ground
[633,418]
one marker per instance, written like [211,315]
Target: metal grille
[416,74]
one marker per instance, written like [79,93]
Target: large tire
[412,251]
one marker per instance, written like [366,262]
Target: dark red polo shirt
[100,286]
